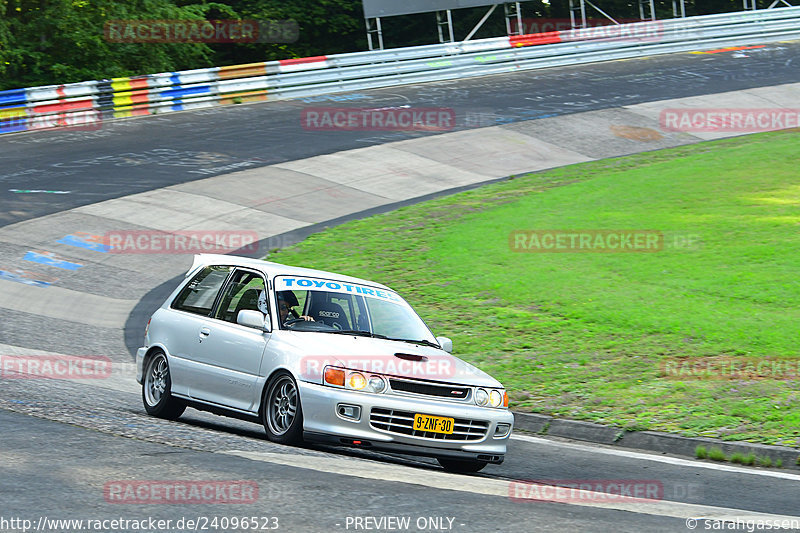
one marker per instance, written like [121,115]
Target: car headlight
[495,398]
[354,380]
[481,397]
[377,384]
[491,398]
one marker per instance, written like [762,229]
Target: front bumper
[321,423]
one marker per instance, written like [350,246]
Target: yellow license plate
[433,424]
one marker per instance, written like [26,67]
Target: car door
[188,315]
[228,356]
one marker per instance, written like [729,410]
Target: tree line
[45,42]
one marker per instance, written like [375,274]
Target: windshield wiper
[363,333]
[424,342]
[358,332]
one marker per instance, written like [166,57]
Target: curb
[653,441]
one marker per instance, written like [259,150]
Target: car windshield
[329,306]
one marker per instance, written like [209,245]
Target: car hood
[367,354]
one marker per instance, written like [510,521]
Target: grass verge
[588,335]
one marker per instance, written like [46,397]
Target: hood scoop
[411,357]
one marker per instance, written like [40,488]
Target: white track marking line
[659,459]
[495,487]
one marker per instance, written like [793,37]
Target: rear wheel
[156,386]
[461,466]
[282,413]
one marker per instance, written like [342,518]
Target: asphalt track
[129,156]
[58,463]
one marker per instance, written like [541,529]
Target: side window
[243,292]
[199,295]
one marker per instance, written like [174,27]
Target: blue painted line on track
[50,259]
[82,242]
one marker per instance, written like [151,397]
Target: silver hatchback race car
[318,357]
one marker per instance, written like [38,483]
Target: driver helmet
[288,298]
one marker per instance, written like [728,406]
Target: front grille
[430,389]
[402,423]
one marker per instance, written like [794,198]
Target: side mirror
[445,343]
[254,319]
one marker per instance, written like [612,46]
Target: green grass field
[585,335]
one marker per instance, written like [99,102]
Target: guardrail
[87,104]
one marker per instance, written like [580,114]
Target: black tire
[281,413]
[461,466]
[156,389]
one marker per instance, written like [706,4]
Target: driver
[287,301]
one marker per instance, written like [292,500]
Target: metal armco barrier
[89,103]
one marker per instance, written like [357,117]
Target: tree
[61,41]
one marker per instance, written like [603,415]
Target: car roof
[274,269]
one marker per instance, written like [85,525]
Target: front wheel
[461,466]
[156,396]
[282,413]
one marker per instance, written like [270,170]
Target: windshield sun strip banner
[299,283]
